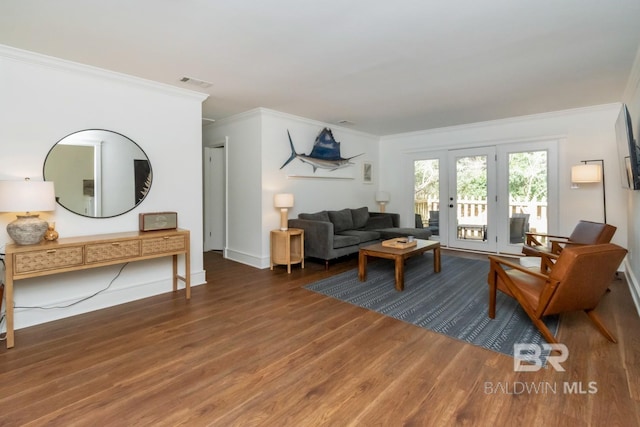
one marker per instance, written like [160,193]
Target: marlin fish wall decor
[324,155]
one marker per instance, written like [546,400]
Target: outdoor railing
[475,211]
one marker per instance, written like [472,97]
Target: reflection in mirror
[98,173]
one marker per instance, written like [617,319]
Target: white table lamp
[27,196]
[382,197]
[283,201]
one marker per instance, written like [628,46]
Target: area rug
[453,302]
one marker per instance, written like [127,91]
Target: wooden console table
[82,253]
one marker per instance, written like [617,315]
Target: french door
[472,195]
[487,198]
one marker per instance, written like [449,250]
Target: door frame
[209,197]
[553,210]
[501,226]
[490,243]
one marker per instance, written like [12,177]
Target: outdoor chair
[579,278]
[433,223]
[585,233]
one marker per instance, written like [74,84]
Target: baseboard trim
[25,317]
[245,258]
[634,286]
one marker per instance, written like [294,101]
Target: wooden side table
[287,247]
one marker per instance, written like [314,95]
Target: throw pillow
[341,220]
[360,217]
[317,216]
[380,222]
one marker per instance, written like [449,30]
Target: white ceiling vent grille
[195,82]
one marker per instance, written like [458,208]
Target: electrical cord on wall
[82,299]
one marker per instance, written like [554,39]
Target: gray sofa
[332,234]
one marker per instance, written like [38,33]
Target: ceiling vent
[195,82]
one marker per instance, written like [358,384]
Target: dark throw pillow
[341,220]
[360,217]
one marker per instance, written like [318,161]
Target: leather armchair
[585,233]
[579,278]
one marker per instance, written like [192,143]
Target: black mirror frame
[121,135]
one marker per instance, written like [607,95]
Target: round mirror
[98,173]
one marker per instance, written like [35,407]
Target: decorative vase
[27,229]
[51,233]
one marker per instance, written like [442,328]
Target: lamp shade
[382,196]
[27,196]
[586,173]
[283,200]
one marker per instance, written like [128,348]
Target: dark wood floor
[253,347]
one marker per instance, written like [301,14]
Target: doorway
[215,197]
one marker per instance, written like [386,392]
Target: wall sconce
[382,197]
[283,201]
[588,174]
[27,196]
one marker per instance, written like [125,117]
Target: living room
[45,98]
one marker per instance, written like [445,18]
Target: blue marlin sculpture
[324,155]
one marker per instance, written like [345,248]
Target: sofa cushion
[360,217]
[317,216]
[378,222]
[341,220]
[340,241]
[392,233]
[362,235]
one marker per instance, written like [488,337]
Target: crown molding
[507,121]
[25,56]
[261,112]
[633,83]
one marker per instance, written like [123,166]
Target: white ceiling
[386,66]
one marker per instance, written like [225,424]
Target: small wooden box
[399,243]
[158,221]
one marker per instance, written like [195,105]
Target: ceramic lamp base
[27,229]
[284,221]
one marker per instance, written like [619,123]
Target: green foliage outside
[527,177]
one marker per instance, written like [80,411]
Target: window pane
[427,193]
[527,194]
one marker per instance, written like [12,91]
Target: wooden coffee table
[399,256]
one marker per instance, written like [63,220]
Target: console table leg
[187,272]
[8,288]
[175,273]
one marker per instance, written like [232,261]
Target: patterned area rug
[453,302]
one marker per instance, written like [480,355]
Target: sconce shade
[586,173]
[382,196]
[283,200]
[27,196]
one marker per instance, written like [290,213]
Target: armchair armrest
[498,261]
[558,243]
[532,238]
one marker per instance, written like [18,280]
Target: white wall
[584,134]
[632,99]
[44,99]
[263,133]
